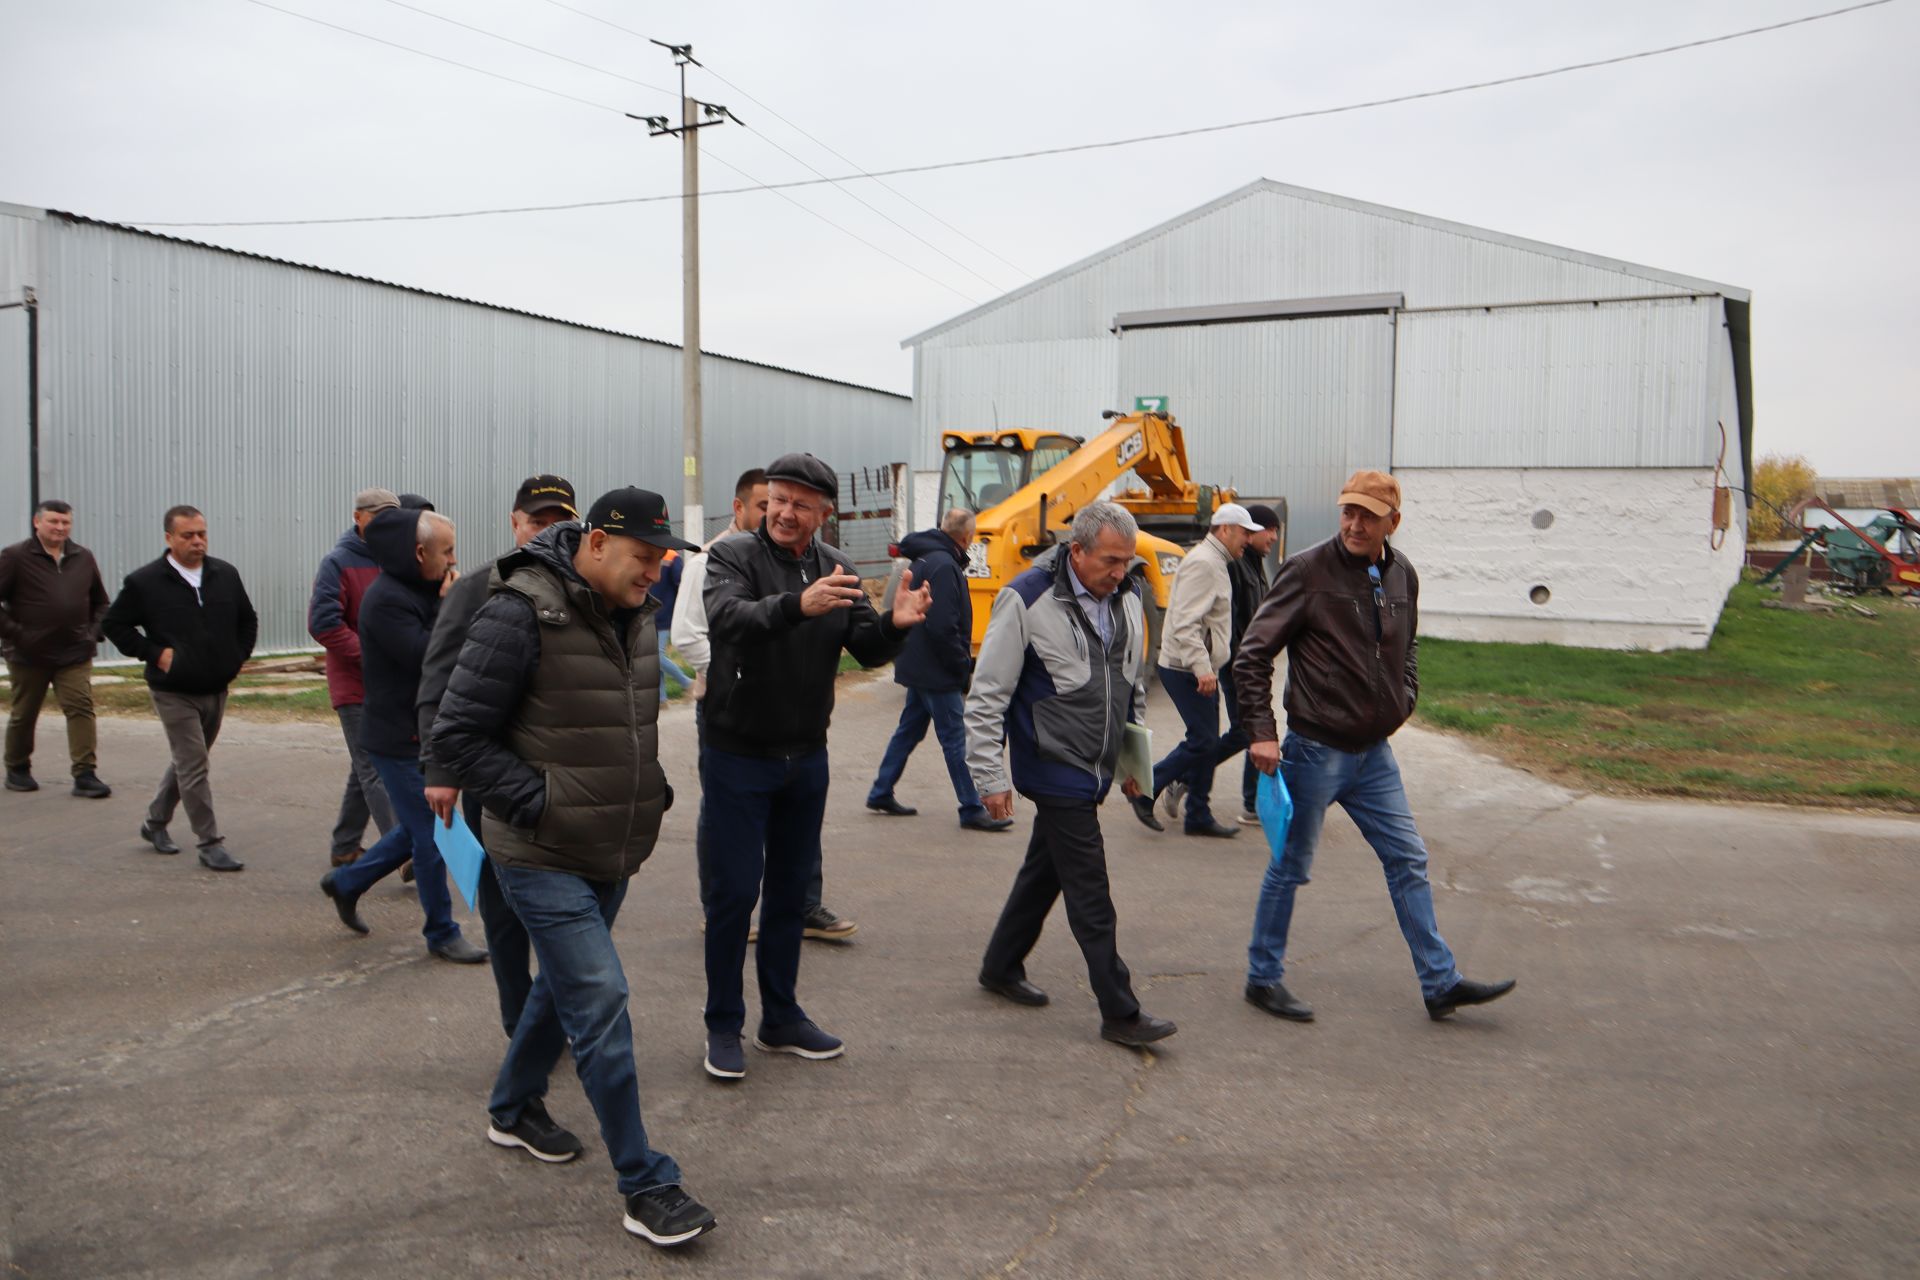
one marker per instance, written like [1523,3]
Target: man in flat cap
[780,608]
[1346,612]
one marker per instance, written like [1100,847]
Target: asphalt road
[1709,1068]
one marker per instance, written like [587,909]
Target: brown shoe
[342,859]
[406,872]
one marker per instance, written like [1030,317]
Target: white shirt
[689,632]
[192,576]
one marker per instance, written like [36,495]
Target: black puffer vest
[588,721]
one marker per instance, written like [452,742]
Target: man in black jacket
[934,667]
[541,501]
[780,608]
[187,616]
[1248,574]
[1347,614]
[51,603]
[415,552]
[552,716]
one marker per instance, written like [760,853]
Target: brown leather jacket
[1352,658]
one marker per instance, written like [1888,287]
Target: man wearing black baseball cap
[780,608]
[540,501]
[552,717]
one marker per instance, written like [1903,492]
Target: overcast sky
[1783,163]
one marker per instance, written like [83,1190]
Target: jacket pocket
[1063,733]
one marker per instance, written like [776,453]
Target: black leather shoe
[892,808]
[1143,810]
[1279,1002]
[214,857]
[21,780]
[1465,992]
[157,837]
[987,824]
[1018,990]
[1138,1031]
[88,786]
[460,951]
[347,904]
[1218,830]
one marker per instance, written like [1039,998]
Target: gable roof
[1266,186]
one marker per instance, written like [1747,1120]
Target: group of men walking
[524,701]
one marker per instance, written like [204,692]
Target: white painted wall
[1625,557]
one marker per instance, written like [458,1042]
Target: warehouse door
[1275,408]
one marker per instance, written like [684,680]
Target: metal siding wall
[1270,244]
[1614,384]
[267,394]
[16,491]
[1057,385]
[1289,407]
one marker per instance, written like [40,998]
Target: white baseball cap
[1236,515]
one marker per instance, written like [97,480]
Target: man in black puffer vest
[780,608]
[552,719]
[414,549]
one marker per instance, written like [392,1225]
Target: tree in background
[1779,481]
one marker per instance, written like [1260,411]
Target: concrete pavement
[1709,1068]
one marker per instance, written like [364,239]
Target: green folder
[1136,758]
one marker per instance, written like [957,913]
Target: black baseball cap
[637,513]
[544,492]
[414,502]
[804,468]
[1264,516]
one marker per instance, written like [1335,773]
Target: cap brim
[548,504]
[666,541]
[1371,503]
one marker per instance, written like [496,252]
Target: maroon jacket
[333,615]
[50,612]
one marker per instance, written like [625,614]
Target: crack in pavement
[1136,1090]
[25,1084]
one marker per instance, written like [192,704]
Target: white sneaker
[1171,798]
[1248,818]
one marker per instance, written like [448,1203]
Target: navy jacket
[396,620]
[938,655]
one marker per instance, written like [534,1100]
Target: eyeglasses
[1379,600]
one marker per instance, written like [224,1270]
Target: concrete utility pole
[692,499]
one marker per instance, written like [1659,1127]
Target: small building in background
[267,393]
[1559,421]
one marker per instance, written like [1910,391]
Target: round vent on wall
[1542,518]
[1539,594]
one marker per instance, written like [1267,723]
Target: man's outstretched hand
[910,606]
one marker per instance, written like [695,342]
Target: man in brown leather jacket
[1346,612]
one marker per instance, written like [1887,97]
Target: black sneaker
[667,1216]
[21,780]
[802,1039]
[88,786]
[725,1060]
[536,1134]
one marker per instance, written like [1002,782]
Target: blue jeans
[670,670]
[1198,754]
[943,710]
[760,823]
[1367,785]
[410,837]
[579,998]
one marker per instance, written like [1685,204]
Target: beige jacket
[1199,624]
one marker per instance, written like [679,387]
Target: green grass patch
[1804,708]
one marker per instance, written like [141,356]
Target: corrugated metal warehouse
[1553,416]
[267,393]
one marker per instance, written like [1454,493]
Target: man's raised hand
[910,606]
[834,591]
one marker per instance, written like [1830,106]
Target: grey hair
[1096,518]
[423,530]
[955,522]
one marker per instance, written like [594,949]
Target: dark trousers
[363,797]
[1066,858]
[1249,776]
[1201,751]
[760,827]
[509,950]
[411,837]
[816,884]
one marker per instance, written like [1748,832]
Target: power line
[558,4]
[405,48]
[979,160]
[546,53]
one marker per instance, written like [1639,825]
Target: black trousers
[1065,858]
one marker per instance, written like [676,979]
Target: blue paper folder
[462,854]
[1274,804]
